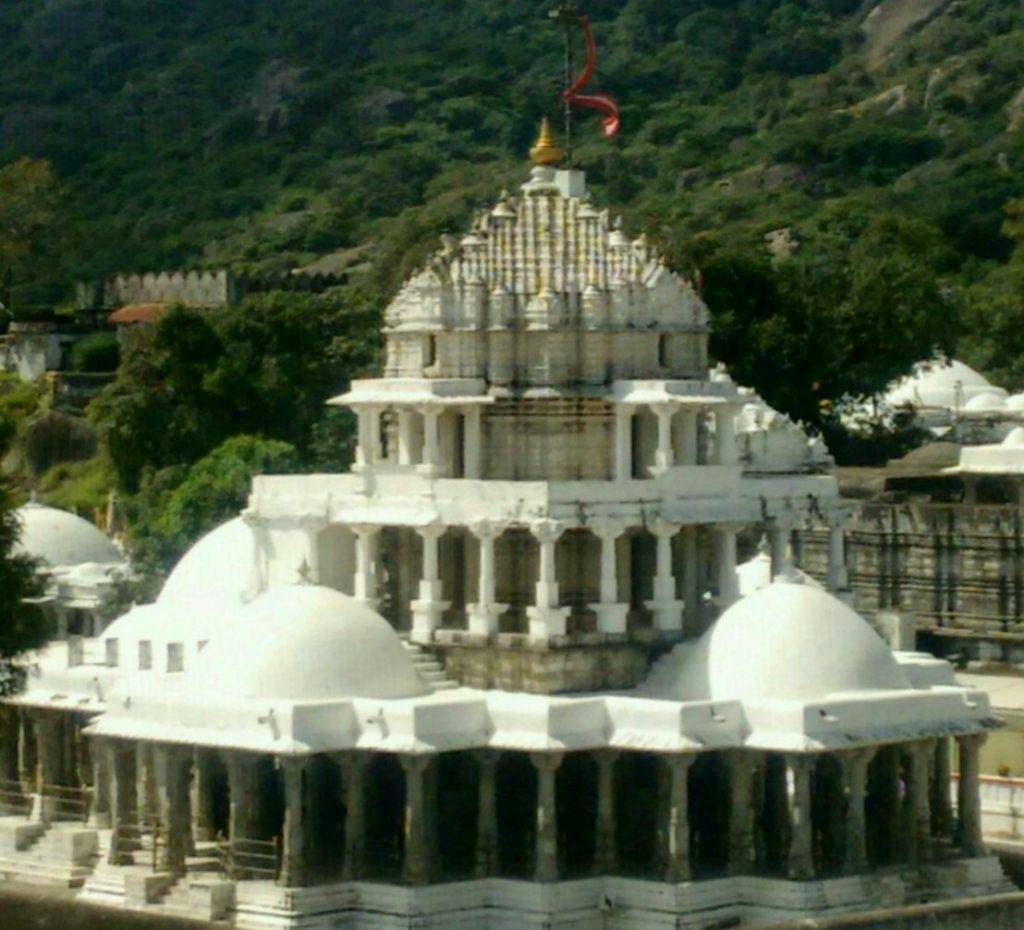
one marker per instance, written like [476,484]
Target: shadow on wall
[47,909]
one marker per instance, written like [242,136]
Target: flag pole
[568,16]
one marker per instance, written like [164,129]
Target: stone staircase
[664,670]
[57,854]
[430,669]
[203,893]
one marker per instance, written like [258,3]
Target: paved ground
[27,907]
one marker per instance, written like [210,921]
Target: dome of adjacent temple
[61,539]
[308,643]
[785,641]
[940,383]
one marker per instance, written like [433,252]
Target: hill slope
[271,132]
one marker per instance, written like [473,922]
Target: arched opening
[576,794]
[385,817]
[709,814]
[637,793]
[326,813]
[828,816]
[663,351]
[458,804]
[398,575]
[516,792]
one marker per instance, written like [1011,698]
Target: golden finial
[544,151]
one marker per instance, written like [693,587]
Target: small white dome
[308,643]
[61,539]
[988,400]
[1015,437]
[787,641]
[939,383]
[1015,402]
[216,573]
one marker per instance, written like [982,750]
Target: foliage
[177,506]
[22,626]
[263,367]
[97,352]
[80,487]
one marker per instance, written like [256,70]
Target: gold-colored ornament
[544,151]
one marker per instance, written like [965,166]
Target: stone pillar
[778,543]
[353,767]
[368,448]
[969,796]
[942,814]
[742,815]
[693,587]
[605,850]
[293,866]
[99,803]
[666,606]
[364,584]
[471,448]
[855,781]
[484,614]
[418,847]
[546,618]
[663,456]
[918,832]
[725,558]
[120,763]
[170,768]
[203,800]
[546,864]
[406,436]
[623,442]
[801,847]
[145,783]
[431,449]
[428,608]
[688,439]
[487,815]
[611,615]
[242,790]
[837,577]
[675,828]
[313,528]
[48,764]
[725,435]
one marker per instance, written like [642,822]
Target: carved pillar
[48,765]
[120,763]
[471,448]
[483,616]
[623,442]
[919,826]
[742,814]
[242,790]
[546,866]
[611,615]
[170,768]
[687,418]
[353,767]
[837,577]
[546,618]
[293,867]
[487,815]
[364,584]
[666,606]
[855,779]
[406,436]
[725,435]
[778,543]
[942,813]
[203,797]
[663,456]
[431,463]
[725,556]
[675,829]
[418,846]
[99,804]
[368,426]
[801,849]
[605,858]
[427,610]
[969,796]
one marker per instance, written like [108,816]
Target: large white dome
[308,643]
[61,539]
[216,573]
[788,641]
[940,383]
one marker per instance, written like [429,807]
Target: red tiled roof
[137,313]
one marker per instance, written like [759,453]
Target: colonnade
[668,817]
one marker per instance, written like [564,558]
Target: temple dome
[308,643]
[940,383]
[988,400]
[785,641]
[1015,402]
[216,573]
[61,539]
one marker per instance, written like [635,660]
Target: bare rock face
[278,88]
[892,101]
[890,20]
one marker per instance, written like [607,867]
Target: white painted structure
[547,497]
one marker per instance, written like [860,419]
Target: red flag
[603,104]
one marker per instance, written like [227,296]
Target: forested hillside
[843,173]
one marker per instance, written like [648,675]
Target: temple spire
[544,151]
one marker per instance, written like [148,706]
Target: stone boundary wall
[958,568]
[1001,912]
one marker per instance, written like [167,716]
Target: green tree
[22,626]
